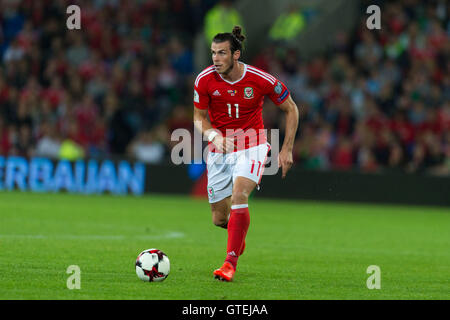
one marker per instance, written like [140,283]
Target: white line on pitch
[168,235]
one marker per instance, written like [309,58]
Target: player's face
[222,58]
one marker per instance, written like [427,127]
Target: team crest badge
[210,192]
[248,93]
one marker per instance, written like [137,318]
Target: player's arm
[202,124]
[285,159]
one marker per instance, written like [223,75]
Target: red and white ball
[152,265]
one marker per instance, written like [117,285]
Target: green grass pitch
[295,249]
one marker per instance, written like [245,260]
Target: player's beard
[226,72]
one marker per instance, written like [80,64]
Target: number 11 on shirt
[253,167]
[229,109]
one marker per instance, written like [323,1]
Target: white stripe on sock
[239,206]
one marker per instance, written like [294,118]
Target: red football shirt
[237,105]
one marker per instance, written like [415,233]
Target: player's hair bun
[237,33]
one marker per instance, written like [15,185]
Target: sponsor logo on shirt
[216,93]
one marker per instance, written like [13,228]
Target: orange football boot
[225,273]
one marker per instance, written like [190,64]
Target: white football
[152,265]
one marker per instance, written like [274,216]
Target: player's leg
[242,188]
[246,175]
[239,218]
[220,212]
[220,188]
[238,224]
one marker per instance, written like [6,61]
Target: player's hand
[223,144]
[285,161]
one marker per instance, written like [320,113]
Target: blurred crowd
[106,90]
[376,100]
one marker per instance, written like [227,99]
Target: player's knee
[239,197]
[219,220]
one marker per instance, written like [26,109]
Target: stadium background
[374,123]
[371,101]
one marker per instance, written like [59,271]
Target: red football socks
[237,230]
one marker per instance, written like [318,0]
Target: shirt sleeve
[277,92]
[201,97]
